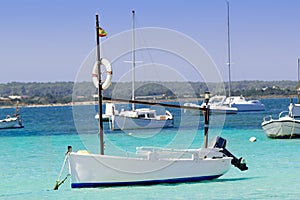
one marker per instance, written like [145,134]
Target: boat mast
[298,89]
[133,58]
[228,51]
[98,60]
[206,118]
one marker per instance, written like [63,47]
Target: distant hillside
[61,92]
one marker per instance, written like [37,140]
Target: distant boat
[216,106]
[14,121]
[231,105]
[288,123]
[143,118]
[151,165]
[11,122]
[243,105]
[238,102]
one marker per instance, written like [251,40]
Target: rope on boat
[58,182]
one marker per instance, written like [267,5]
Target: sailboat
[140,118]
[238,102]
[14,121]
[151,165]
[288,123]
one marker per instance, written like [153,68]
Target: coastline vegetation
[42,93]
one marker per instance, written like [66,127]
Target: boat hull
[127,123]
[221,110]
[91,170]
[282,128]
[244,107]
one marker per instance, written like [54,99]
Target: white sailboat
[142,118]
[288,123]
[238,102]
[155,165]
[14,121]
[151,165]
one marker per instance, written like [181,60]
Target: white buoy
[252,139]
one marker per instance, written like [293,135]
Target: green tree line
[62,92]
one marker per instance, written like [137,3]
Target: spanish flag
[102,32]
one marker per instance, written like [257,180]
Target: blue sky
[47,40]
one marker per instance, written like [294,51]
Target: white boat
[10,122]
[243,105]
[150,165]
[238,102]
[216,106]
[286,126]
[143,118]
[288,123]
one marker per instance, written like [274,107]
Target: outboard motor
[221,143]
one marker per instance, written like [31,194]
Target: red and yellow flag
[102,32]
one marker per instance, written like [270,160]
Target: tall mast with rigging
[133,58]
[228,51]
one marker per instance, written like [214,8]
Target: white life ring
[108,71]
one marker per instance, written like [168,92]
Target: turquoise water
[31,158]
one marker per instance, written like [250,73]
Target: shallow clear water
[31,158]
